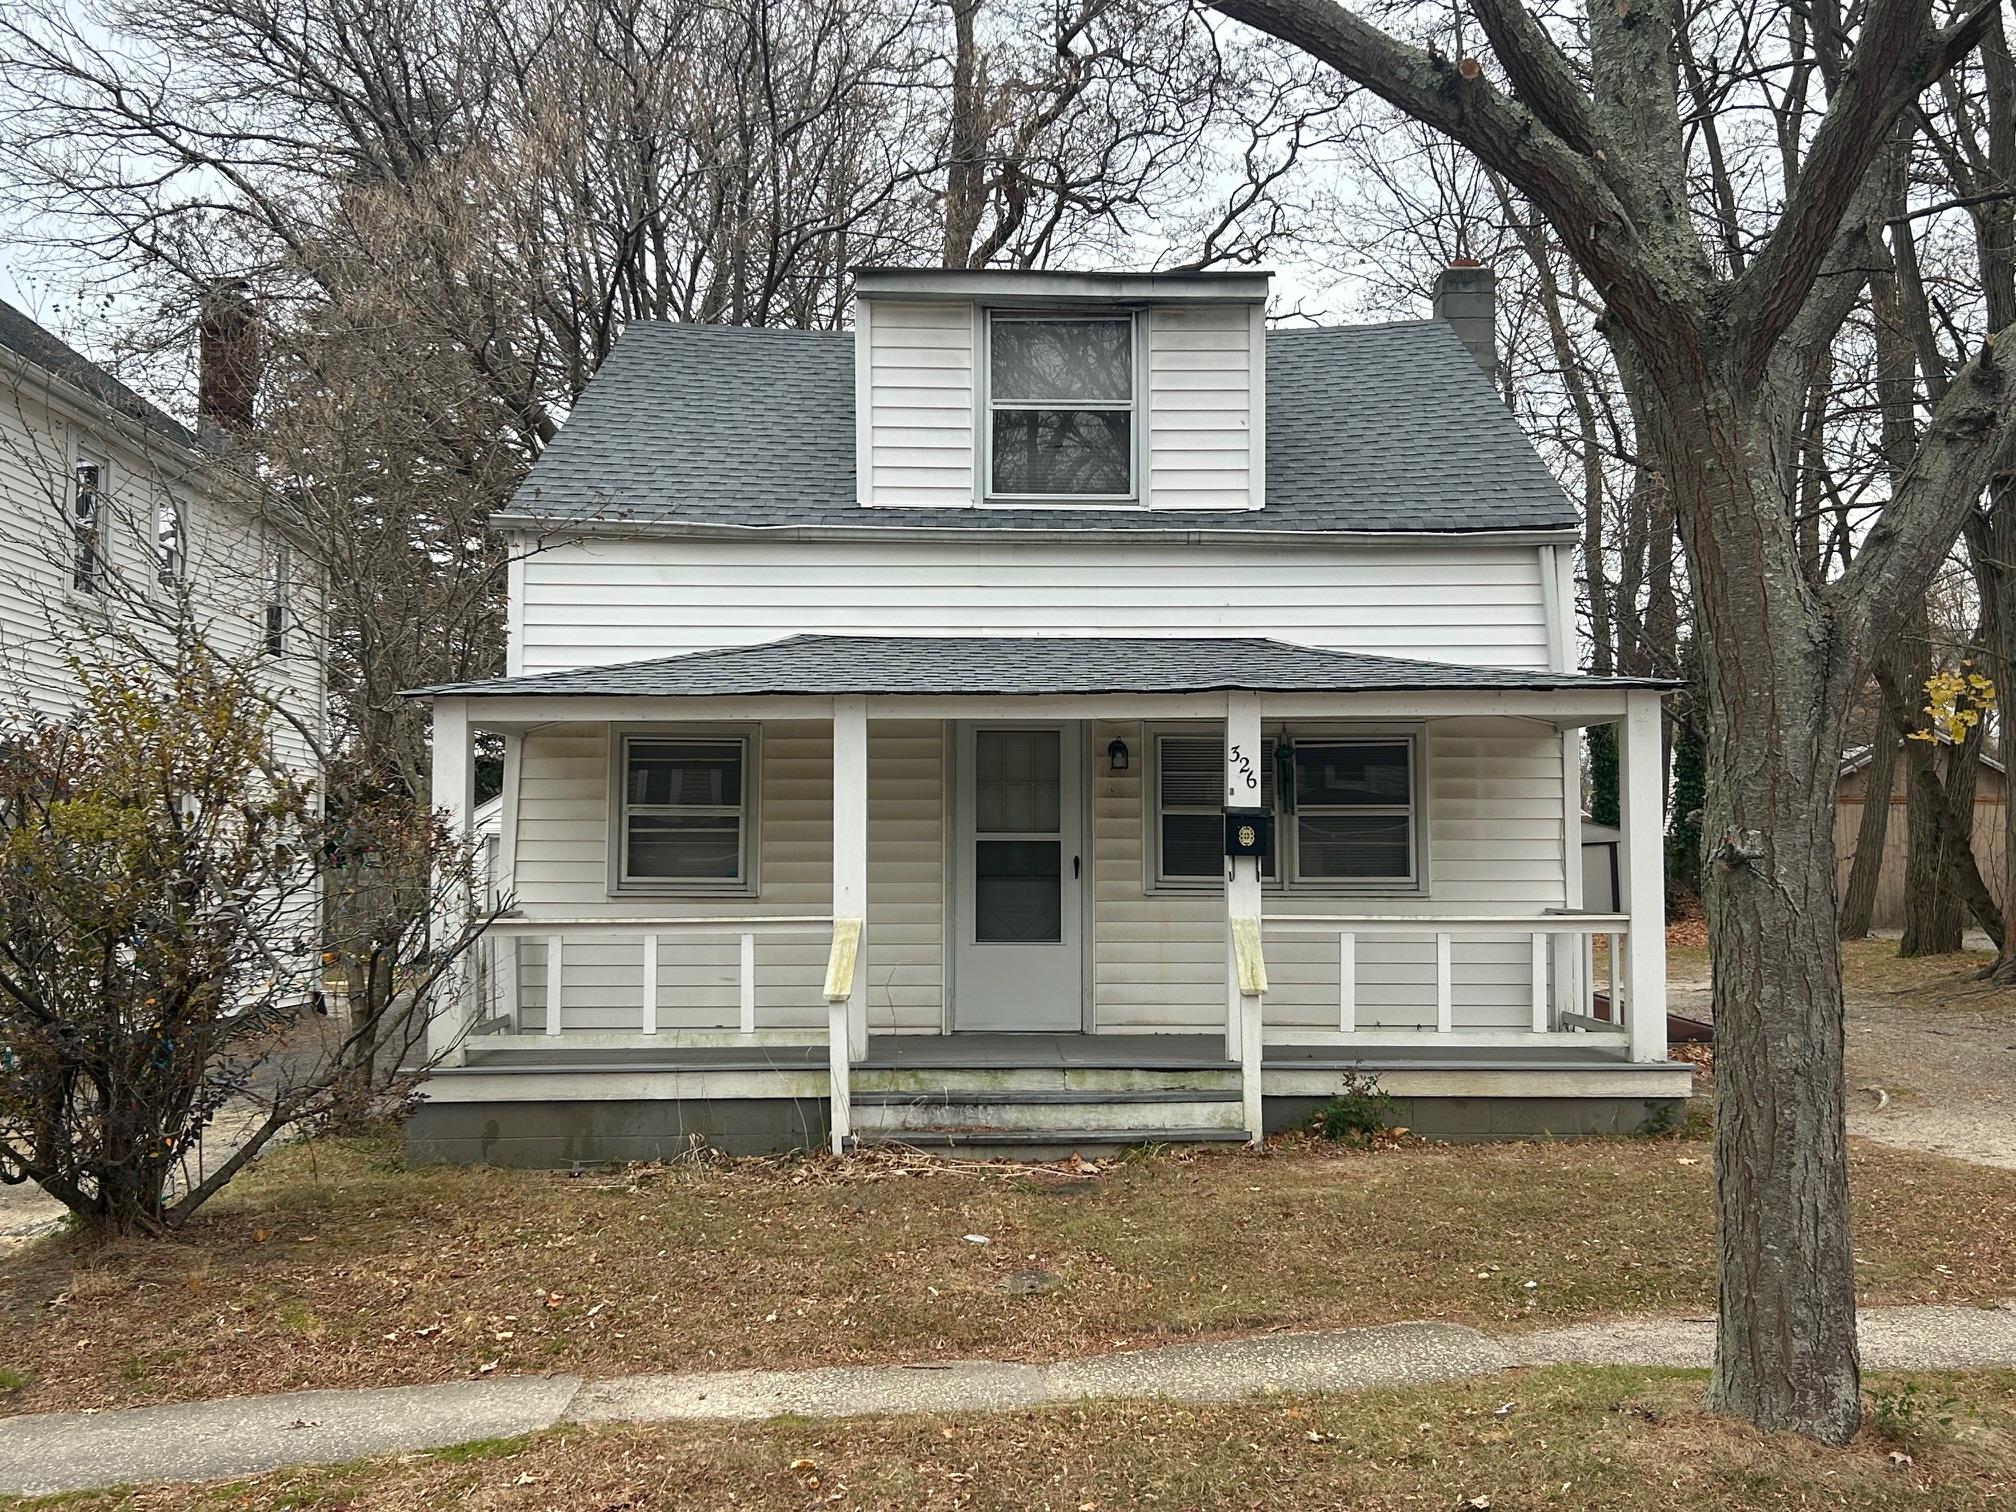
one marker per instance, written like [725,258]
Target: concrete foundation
[560,1135]
[563,1135]
[1476,1118]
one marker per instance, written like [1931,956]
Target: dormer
[1017,390]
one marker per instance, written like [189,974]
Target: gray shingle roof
[955,665]
[1369,428]
[25,338]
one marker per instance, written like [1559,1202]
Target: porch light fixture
[1116,756]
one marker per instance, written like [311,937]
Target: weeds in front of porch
[1360,1111]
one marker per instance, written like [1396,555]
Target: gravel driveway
[1931,1065]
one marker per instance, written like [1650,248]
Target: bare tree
[1716,357]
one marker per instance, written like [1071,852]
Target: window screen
[1061,402]
[684,813]
[1190,785]
[1354,811]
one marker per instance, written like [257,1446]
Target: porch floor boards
[1144,1052]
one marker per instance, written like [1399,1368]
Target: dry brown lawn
[1615,1440]
[1869,968]
[335,1265]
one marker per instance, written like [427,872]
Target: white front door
[1019,862]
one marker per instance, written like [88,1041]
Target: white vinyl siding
[42,436]
[564,835]
[1199,405]
[610,599]
[920,402]
[1201,388]
[1492,807]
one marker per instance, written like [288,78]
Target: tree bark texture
[1872,834]
[1775,697]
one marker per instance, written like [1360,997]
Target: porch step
[954,1111]
[1043,1144]
[1088,1082]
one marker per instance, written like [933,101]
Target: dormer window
[1060,400]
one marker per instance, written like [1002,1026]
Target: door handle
[1074,868]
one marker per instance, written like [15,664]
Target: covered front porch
[860,870]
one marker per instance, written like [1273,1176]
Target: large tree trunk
[1872,834]
[1931,924]
[2000,586]
[1775,699]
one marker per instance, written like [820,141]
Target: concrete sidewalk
[74,1451]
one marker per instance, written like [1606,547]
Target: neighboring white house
[887,711]
[113,515]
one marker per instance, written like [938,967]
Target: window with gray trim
[1350,820]
[1354,811]
[171,542]
[1060,399]
[1190,806]
[683,812]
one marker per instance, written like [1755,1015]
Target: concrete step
[954,1111]
[968,1081]
[1043,1144]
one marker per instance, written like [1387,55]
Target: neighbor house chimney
[1466,296]
[227,362]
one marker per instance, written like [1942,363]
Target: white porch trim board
[1243,778]
[453,794]
[1562,709]
[1642,803]
[847,1018]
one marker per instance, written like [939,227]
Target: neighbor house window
[87,528]
[1060,399]
[1350,821]
[171,543]
[683,814]
[279,595]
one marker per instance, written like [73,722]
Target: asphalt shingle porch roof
[952,666]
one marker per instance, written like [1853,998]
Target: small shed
[1991,792]
[1599,865]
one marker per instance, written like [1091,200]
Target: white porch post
[850,850]
[1642,872]
[1243,779]
[1568,950]
[454,794]
[504,884]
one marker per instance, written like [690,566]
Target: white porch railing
[1560,993]
[744,929]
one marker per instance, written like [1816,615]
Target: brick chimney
[1466,296]
[227,362]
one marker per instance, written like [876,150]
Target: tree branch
[1970,441]
[1897,55]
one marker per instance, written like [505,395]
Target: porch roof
[883,665]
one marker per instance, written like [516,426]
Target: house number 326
[1242,766]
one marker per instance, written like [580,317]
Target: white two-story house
[117,520]
[1060,712]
